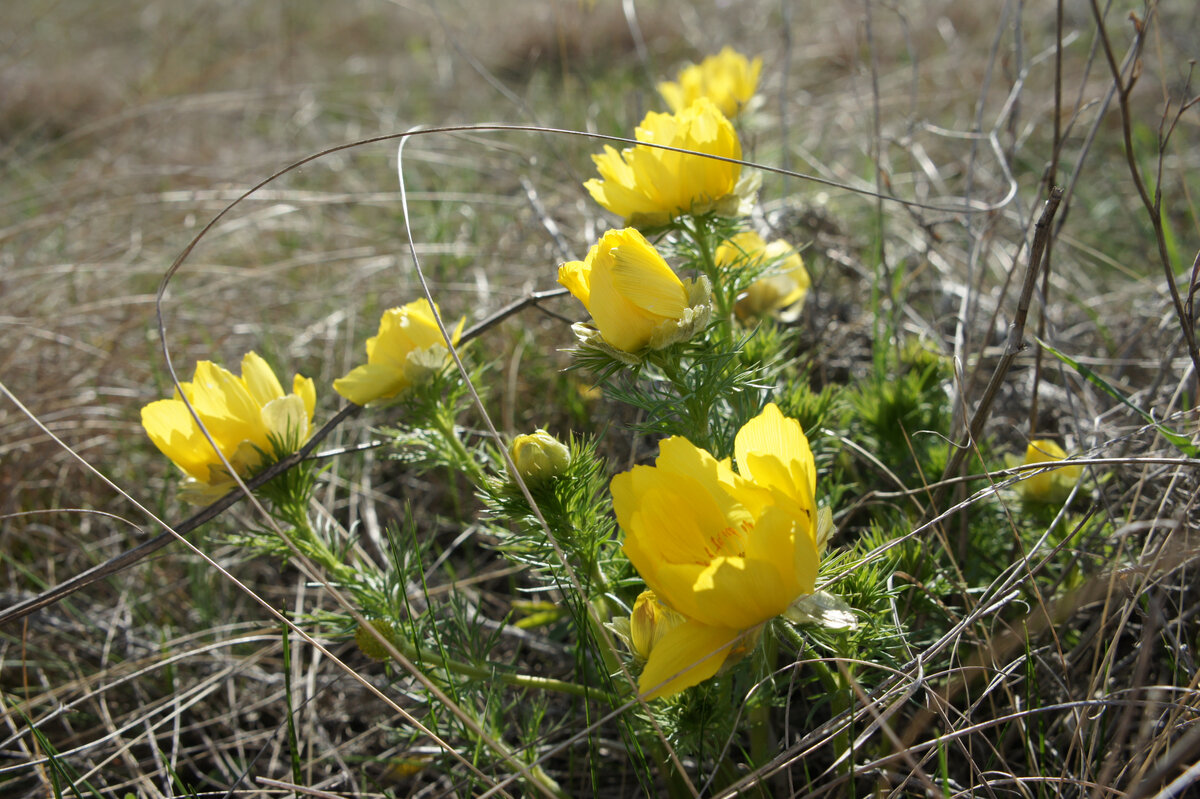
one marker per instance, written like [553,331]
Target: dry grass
[125,127]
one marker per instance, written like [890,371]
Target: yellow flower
[726,550]
[634,297]
[649,622]
[408,348]
[727,78]
[249,418]
[648,186]
[785,281]
[1052,485]
[539,456]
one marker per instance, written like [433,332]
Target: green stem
[422,655]
[312,545]
[443,421]
[697,411]
[702,236]
[600,610]
[760,715]
[316,549]
[833,682]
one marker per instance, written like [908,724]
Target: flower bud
[1051,485]
[649,622]
[371,646]
[539,456]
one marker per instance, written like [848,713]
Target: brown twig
[1013,346]
[1153,204]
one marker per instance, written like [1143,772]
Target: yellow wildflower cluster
[721,549]
[252,423]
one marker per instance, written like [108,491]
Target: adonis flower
[784,284]
[634,297]
[408,348]
[249,418]
[1051,485]
[648,186]
[725,550]
[728,78]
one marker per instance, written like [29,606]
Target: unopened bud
[649,622]
[1051,485]
[539,456]
[369,644]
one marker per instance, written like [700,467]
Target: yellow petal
[394,341]
[649,622]
[728,79]
[789,543]
[622,324]
[1043,450]
[370,382]
[306,389]
[682,524]
[246,459]
[740,593]
[738,499]
[744,247]
[286,421]
[685,656]
[774,435]
[260,380]
[227,408]
[575,276]
[642,276]
[1052,485]
[171,427]
[420,324]
[456,334]
[673,94]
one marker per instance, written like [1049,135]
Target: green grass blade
[1180,441]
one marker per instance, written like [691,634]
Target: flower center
[728,542]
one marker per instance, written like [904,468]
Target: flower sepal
[591,342]
[693,320]
[823,609]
